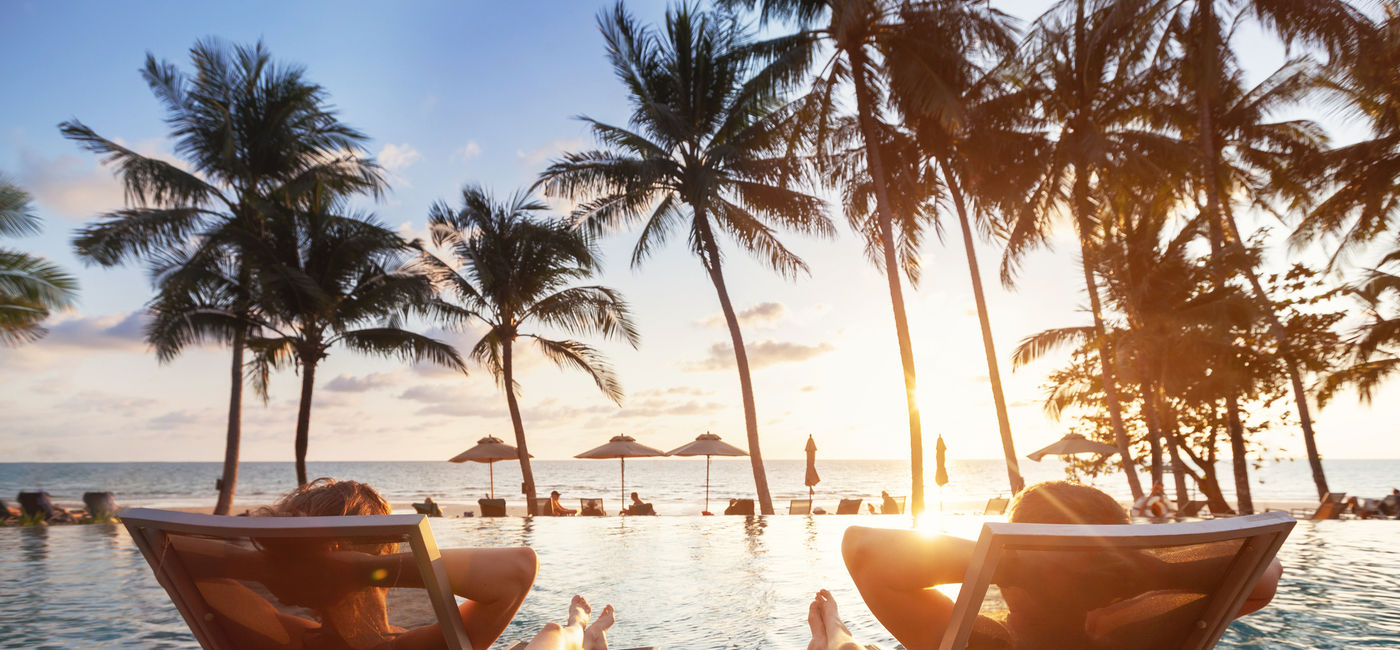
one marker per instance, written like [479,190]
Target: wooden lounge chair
[101,506]
[226,608]
[996,506]
[543,508]
[1195,575]
[591,508]
[741,507]
[429,509]
[848,507]
[492,507]
[37,506]
[1332,506]
[800,507]
[897,509]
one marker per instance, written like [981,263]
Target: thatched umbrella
[622,448]
[488,450]
[707,444]
[1070,445]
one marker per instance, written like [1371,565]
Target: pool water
[676,582]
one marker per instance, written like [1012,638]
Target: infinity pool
[677,582]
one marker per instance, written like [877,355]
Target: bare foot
[817,623]
[837,636]
[579,611]
[595,637]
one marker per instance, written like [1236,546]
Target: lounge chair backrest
[996,506]
[848,507]
[543,507]
[100,505]
[33,504]
[895,508]
[800,507]
[492,507]
[1192,508]
[1121,586]
[244,582]
[1329,510]
[743,507]
[1334,497]
[429,509]
[591,507]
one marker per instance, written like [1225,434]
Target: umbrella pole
[492,467]
[707,482]
[622,496]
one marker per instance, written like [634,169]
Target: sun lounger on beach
[232,578]
[101,506]
[492,507]
[1194,576]
[740,507]
[37,506]
[848,507]
[996,506]
[428,508]
[892,506]
[800,507]
[1332,506]
[591,508]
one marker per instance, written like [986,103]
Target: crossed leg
[828,632]
[577,634]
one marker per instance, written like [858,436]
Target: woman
[1048,604]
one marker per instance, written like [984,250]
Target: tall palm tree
[704,151]
[327,279]
[1375,346]
[1207,75]
[854,36]
[1096,73]
[516,270]
[30,287]
[249,130]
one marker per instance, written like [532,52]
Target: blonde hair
[1062,502]
[327,497]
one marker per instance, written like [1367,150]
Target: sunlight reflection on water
[678,582]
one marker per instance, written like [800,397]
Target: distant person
[592,508]
[1154,504]
[870,507]
[888,506]
[1390,506]
[432,507]
[557,509]
[640,507]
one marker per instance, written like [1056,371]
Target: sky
[456,93]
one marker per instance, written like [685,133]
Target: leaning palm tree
[854,37]
[325,280]
[30,287]
[248,129]
[704,152]
[515,269]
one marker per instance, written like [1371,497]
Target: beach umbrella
[488,450]
[622,448]
[1070,445]
[812,478]
[941,476]
[707,444]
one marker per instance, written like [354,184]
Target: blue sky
[485,92]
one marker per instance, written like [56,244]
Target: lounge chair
[101,506]
[227,608]
[1192,509]
[591,508]
[1332,506]
[896,508]
[848,507]
[543,507]
[996,506]
[800,507]
[428,508]
[37,506]
[740,507]
[1205,570]
[492,507]
[1390,505]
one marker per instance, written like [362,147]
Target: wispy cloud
[764,314]
[466,152]
[121,331]
[761,354]
[539,155]
[351,384]
[397,157]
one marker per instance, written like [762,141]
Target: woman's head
[327,497]
[1062,502]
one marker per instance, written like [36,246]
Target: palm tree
[704,151]
[514,270]
[30,287]
[326,279]
[857,35]
[248,130]
[1207,76]
[1096,75]
[1375,346]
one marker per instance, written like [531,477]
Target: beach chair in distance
[492,507]
[898,508]
[101,506]
[543,507]
[1192,509]
[1332,506]
[591,508]
[800,507]
[848,507]
[226,608]
[996,506]
[1206,570]
[428,509]
[38,506]
[740,507]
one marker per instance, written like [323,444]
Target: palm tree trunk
[1154,423]
[1178,468]
[527,476]
[1110,383]
[229,482]
[1008,447]
[1290,362]
[865,112]
[308,382]
[741,360]
[1239,455]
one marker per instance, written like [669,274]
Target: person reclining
[895,570]
[640,507]
[557,509]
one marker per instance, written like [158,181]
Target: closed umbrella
[941,476]
[707,444]
[622,448]
[488,450]
[812,478]
[1070,445]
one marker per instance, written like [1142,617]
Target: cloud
[761,354]
[79,187]
[467,151]
[122,332]
[673,390]
[539,155]
[396,157]
[434,393]
[351,384]
[764,314]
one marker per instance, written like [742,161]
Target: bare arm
[895,572]
[1264,590]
